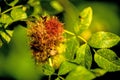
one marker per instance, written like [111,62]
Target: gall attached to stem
[45,35]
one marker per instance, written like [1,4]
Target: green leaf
[107,59]
[56,6]
[48,70]
[72,45]
[80,73]
[18,14]
[12,3]
[5,19]
[103,40]
[84,56]
[85,19]
[66,67]
[6,35]
[57,78]
[86,16]
[36,5]
[98,72]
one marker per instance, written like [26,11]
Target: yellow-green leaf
[6,35]
[103,40]
[86,16]
[56,6]
[12,3]
[18,14]
[48,70]
[72,45]
[84,56]
[107,59]
[98,71]
[85,19]
[66,67]
[57,78]
[5,19]
[80,73]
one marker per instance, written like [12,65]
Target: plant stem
[82,39]
[50,62]
[94,50]
[11,9]
[69,32]
[49,78]
[61,77]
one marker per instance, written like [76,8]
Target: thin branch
[68,32]
[49,78]
[11,9]
[82,39]
[50,62]
[61,77]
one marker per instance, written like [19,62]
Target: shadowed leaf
[80,73]
[84,56]
[66,67]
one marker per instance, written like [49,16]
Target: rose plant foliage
[51,47]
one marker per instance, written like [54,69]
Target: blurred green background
[16,62]
[105,16]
